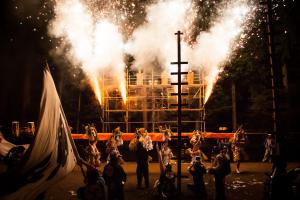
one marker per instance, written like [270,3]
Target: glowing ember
[210,81]
[123,90]
[96,88]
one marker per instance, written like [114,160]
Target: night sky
[23,54]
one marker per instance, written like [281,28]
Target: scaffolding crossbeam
[176,94]
[176,63]
[182,83]
[176,73]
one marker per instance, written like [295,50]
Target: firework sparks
[153,41]
[213,48]
[91,32]
[123,90]
[94,43]
[96,88]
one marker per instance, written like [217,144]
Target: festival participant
[93,155]
[142,143]
[237,145]
[197,170]
[167,133]
[117,135]
[113,143]
[115,178]
[142,170]
[145,139]
[91,132]
[270,146]
[220,169]
[196,141]
[166,154]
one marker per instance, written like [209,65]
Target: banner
[51,156]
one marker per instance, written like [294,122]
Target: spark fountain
[97,35]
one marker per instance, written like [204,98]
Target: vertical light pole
[179,105]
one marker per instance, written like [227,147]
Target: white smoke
[96,45]
[155,41]
[214,47]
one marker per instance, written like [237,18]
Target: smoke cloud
[96,44]
[155,41]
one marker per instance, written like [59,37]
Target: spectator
[197,170]
[115,178]
[95,188]
[166,186]
[280,184]
[270,146]
[220,169]
[142,169]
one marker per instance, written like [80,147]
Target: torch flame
[96,87]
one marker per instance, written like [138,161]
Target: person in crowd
[133,143]
[238,147]
[280,183]
[95,187]
[196,140]
[166,154]
[91,132]
[142,169]
[270,146]
[166,132]
[115,178]
[93,154]
[197,170]
[113,143]
[145,139]
[166,184]
[117,135]
[220,169]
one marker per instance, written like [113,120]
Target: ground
[247,185]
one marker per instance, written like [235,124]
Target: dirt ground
[247,185]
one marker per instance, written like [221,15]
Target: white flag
[52,154]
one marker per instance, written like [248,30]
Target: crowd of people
[108,182]
[114,176]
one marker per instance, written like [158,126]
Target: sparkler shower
[95,45]
[98,37]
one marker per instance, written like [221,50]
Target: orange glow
[96,88]
[123,90]
[208,89]
[210,79]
